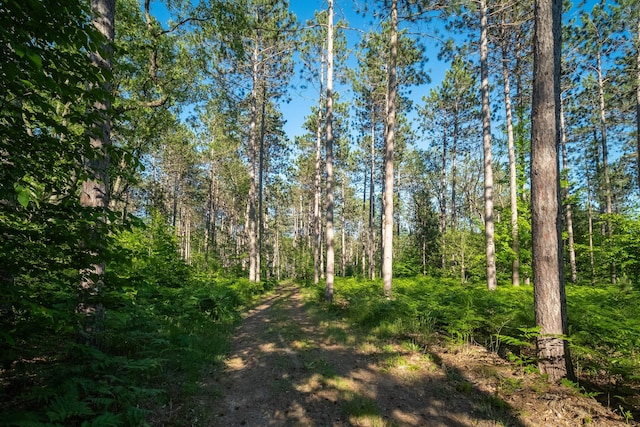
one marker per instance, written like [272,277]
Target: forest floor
[293,365]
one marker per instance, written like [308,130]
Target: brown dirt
[287,368]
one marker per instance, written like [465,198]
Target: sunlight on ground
[313,383]
[268,347]
[236,364]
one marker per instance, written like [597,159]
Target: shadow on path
[285,369]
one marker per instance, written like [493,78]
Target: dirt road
[293,366]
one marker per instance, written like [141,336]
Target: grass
[603,336]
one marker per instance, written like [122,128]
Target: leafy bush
[164,322]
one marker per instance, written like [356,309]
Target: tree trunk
[513,190]
[387,248]
[209,214]
[565,197]
[95,191]
[372,203]
[343,247]
[329,161]
[251,229]
[363,231]
[546,218]
[443,195]
[605,157]
[261,182]
[454,158]
[592,262]
[638,97]
[490,247]
[316,186]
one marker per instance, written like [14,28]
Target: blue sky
[301,98]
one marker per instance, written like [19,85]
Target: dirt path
[286,369]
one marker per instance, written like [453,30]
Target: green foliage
[164,322]
[603,337]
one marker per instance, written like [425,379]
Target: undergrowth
[604,337]
[164,323]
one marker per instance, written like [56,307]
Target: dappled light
[319,213]
[329,382]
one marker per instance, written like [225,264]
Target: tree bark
[316,185]
[387,248]
[605,156]
[638,96]
[343,236]
[565,197]
[330,269]
[592,262]
[546,216]
[454,166]
[95,191]
[443,195]
[490,246]
[372,203]
[251,229]
[513,190]
[261,181]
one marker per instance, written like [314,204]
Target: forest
[463,172]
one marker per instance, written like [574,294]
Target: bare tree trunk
[174,215]
[343,247]
[605,156]
[362,231]
[187,237]
[276,247]
[252,228]
[592,262]
[443,195]
[209,214]
[261,183]
[95,191]
[322,269]
[513,190]
[490,247]
[372,203]
[316,185]
[546,215]
[565,197]
[387,248]
[454,157]
[638,97]
[329,162]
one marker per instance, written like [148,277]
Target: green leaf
[24,195]
[34,58]
[8,338]
[23,198]
[107,419]
[18,49]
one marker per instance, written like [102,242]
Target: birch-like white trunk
[330,269]
[513,190]
[387,247]
[490,246]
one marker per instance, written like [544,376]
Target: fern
[67,406]
[105,420]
